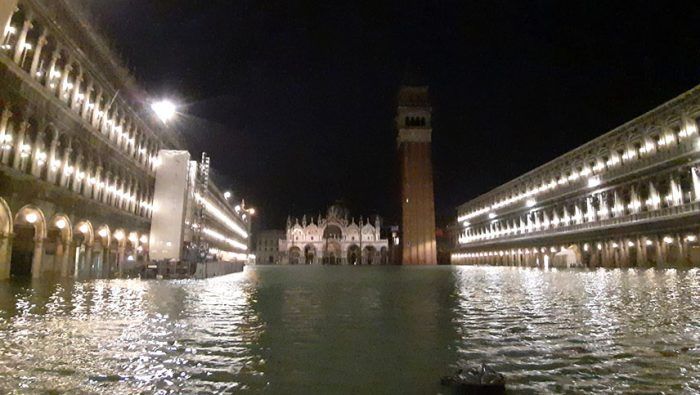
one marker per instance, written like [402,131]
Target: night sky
[295,101]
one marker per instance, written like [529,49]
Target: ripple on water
[355,330]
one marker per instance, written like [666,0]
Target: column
[696,183]
[7,8]
[641,252]
[105,190]
[106,260]
[38,148]
[75,97]
[40,43]
[51,158]
[75,185]
[37,257]
[5,255]
[88,171]
[624,253]
[63,86]
[660,253]
[19,143]
[64,176]
[681,250]
[4,131]
[21,40]
[96,109]
[87,261]
[86,101]
[65,262]
[121,250]
[55,55]
[95,187]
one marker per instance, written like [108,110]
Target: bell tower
[413,122]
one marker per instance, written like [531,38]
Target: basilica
[333,239]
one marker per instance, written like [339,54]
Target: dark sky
[295,100]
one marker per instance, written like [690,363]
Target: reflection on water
[129,335]
[354,330]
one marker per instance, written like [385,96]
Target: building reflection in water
[129,335]
[582,331]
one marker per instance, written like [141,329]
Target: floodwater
[320,329]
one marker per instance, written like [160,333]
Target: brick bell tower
[413,122]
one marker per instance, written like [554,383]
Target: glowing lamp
[165,110]
[103,233]
[84,229]
[61,223]
[31,217]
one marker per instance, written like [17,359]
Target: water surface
[354,330]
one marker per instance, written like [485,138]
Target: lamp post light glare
[164,109]
[227,195]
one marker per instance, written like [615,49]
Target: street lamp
[165,110]
[227,195]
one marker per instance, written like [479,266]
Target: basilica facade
[333,239]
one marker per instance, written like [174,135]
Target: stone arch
[59,237]
[63,224]
[369,255]
[674,254]
[333,231]
[309,254]
[83,238]
[104,235]
[29,231]
[570,256]
[353,254]
[294,255]
[368,232]
[332,252]
[101,252]
[5,218]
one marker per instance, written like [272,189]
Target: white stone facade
[333,239]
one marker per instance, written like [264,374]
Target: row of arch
[332,253]
[655,250]
[55,157]
[59,70]
[33,245]
[415,121]
[333,231]
[619,148]
[674,189]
